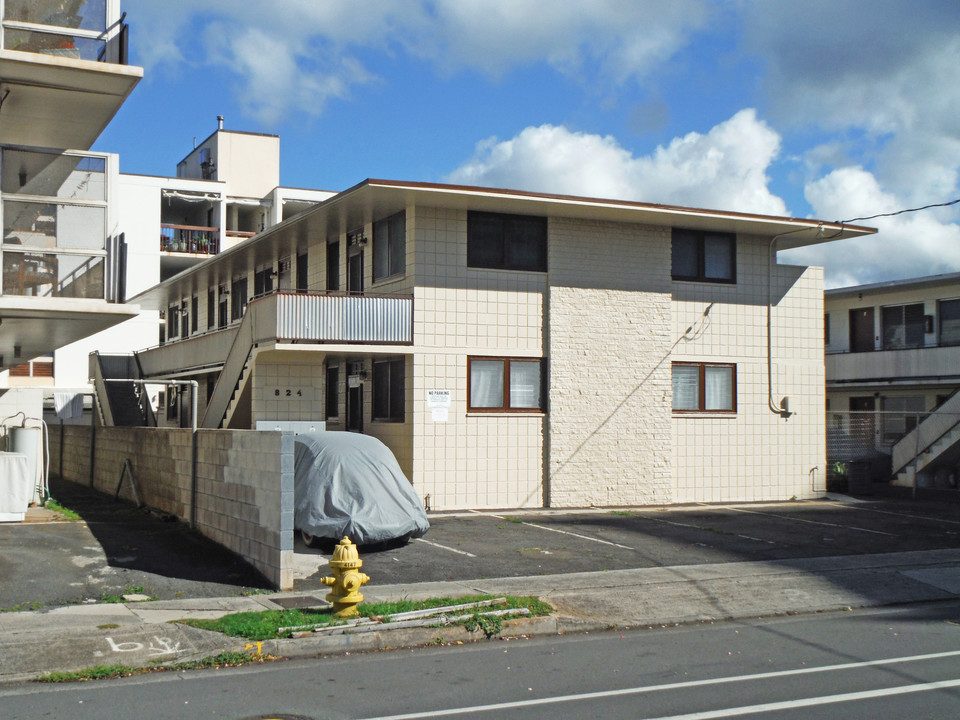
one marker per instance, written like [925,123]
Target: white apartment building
[63,76]
[518,349]
[893,361]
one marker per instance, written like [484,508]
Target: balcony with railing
[81,29]
[921,363]
[192,239]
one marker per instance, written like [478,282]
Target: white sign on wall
[439,398]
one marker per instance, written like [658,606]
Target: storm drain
[299,602]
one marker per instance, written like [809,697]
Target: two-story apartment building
[517,349]
[893,362]
[63,76]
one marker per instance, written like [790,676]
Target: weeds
[65,513]
[129,590]
[28,606]
[105,672]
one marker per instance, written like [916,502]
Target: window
[194,314]
[238,298]
[333,266]
[222,307]
[826,328]
[388,400]
[263,281]
[211,308]
[704,387]
[333,391]
[704,256]
[949,311]
[900,416]
[506,242]
[173,321]
[302,271]
[505,385]
[902,326]
[389,246]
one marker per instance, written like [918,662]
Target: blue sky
[833,109]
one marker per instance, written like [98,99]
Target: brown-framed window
[388,395]
[500,384]
[703,256]
[389,246]
[704,387]
[506,242]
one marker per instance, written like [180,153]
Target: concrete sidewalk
[76,637]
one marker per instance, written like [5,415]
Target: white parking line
[908,515]
[566,532]
[444,547]
[814,522]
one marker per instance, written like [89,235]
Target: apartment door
[862,420]
[355,407]
[861,330]
[355,271]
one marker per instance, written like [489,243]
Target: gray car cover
[351,484]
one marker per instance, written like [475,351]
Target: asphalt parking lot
[117,548]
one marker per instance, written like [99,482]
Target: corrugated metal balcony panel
[328,318]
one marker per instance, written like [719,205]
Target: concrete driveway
[117,548]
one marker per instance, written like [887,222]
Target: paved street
[879,664]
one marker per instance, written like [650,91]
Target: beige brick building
[520,350]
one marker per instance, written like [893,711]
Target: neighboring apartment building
[226,190]
[893,362]
[63,76]
[516,349]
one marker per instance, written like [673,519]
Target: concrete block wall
[609,342]
[244,491]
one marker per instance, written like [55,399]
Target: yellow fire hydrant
[346,580]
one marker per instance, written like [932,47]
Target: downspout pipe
[194,389]
[772,404]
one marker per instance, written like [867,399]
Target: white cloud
[294,55]
[907,245]
[724,168]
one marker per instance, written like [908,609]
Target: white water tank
[29,441]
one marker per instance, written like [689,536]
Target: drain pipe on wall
[783,407]
[194,389]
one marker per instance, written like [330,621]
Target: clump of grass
[265,625]
[129,590]
[65,513]
[23,607]
[106,672]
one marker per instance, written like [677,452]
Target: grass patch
[56,507]
[624,513]
[28,606]
[265,625]
[129,590]
[106,672]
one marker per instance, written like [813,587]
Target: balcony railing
[934,362]
[82,32]
[189,239]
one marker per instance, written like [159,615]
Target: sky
[832,109]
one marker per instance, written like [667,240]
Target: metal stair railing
[916,442]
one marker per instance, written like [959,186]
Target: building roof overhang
[376,199]
[36,88]
[32,326]
[904,284]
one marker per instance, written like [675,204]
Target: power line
[900,212]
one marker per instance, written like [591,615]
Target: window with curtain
[389,246]
[949,311]
[506,242]
[704,387]
[505,385]
[902,326]
[703,256]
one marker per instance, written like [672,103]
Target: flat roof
[904,284]
[376,199]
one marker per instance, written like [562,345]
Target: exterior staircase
[121,403]
[933,444]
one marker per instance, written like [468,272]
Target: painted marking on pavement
[567,532]
[813,522]
[709,681]
[444,547]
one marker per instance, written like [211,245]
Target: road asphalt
[73,637]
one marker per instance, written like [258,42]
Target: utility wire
[900,212]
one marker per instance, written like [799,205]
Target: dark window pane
[686,263]
[396,390]
[381,390]
[950,322]
[485,240]
[381,250]
[333,391]
[718,257]
[333,266]
[398,244]
[526,246]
